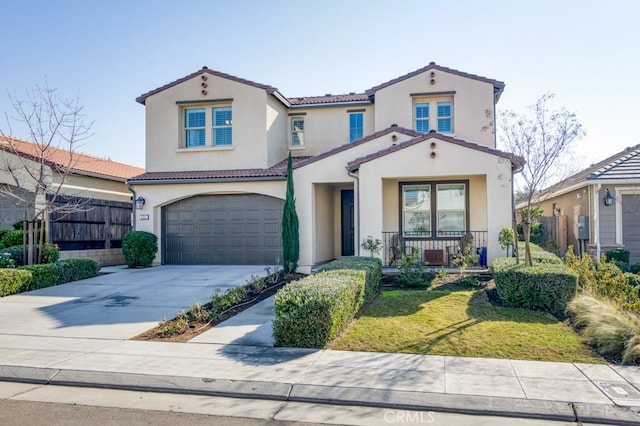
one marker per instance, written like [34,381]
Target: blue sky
[110,52]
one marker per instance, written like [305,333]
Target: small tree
[38,169]
[543,138]
[290,232]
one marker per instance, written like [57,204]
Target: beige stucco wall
[276,125]
[471,101]
[157,196]
[94,187]
[571,204]
[324,222]
[164,122]
[328,127]
[490,204]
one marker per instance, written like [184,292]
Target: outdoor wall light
[139,203]
[608,198]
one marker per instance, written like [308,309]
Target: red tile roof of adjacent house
[330,99]
[498,85]
[355,164]
[275,172]
[77,162]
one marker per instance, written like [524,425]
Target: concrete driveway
[118,305]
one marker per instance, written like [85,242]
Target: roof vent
[205,68]
[394,125]
[431,63]
[352,93]
[327,94]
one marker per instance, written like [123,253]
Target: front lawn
[462,323]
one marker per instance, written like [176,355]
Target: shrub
[50,253]
[15,253]
[3,232]
[618,255]
[46,275]
[541,286]
[13,281]
[50,274]
[633,279]
[371,266]
[12,238]
[613,332]
[537,231]
[139,248]
[311,312]
[6,261]
[414,273]
[604,279]
[635,268]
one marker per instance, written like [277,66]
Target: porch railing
[433,250]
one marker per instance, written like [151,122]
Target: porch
[438,251]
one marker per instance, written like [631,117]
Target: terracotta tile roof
[498,85]
[355,164]
[364,140]
[270,89]
[330,99]
[275,172]
[79,163]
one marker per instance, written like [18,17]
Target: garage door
[223,229]
[631,226]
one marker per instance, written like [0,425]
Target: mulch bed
[195,328]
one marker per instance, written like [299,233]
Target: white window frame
[209,127]
[361,128]
[299,133]
[444,117]
[619,191]
[227,125]
[433,118]
[187,129]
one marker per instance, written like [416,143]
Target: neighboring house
[602,205]
[96,185]
[409,161]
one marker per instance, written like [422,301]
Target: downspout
[133,207]
[357,230]
[596,220]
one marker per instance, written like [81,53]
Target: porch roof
[341,148]
[355,164]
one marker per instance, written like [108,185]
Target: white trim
[620,191]
[206,148]
[596,219]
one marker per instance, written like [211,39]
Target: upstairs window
[196,122]
[195,127]
[297,131]
[221,126]
[433,113]
[356,126]
[444,117]
[422,117]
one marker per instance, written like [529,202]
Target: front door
[348,247]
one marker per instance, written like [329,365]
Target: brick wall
[106,257]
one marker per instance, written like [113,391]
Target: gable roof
[269,89]
[356,98]
[275,172]
[498,86]
[355,164]
[623,165]
[79,163]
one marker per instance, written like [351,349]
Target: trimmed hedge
[371,265]
[311,312]
[13,281]
[50,253]
[618,255]
[139,248]
[549,287]
[50,274]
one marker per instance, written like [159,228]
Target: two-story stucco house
[408,161]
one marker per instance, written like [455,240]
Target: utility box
[583,227]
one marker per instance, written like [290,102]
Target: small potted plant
[372,245]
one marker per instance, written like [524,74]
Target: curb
[381,398]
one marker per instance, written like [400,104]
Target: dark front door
[348,248]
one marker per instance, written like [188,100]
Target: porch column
[371,208]
[498,207]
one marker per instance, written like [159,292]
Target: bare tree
[544,139]
[37,168]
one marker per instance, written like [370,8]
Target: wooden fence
[96,224]
[555,232]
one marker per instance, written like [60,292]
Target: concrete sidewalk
[236,359]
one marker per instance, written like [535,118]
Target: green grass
[462,323]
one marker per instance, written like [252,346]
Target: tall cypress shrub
[290,236]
